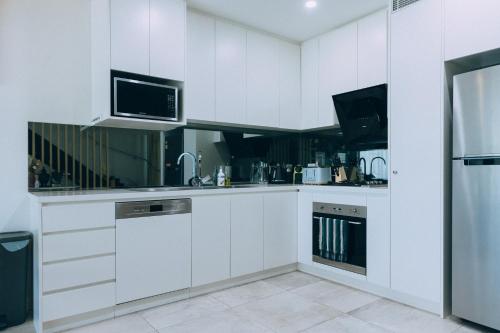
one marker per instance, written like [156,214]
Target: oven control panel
[338,209]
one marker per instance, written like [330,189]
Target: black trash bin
[15,277]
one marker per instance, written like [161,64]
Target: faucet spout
[193,158]
[376,158]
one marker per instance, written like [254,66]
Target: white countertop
[128,194]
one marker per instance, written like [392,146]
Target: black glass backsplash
[69,156]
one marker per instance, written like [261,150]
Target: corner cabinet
[280,229]
[417,134]
[145,37]
[348,58]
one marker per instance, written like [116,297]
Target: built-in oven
[339,236]
[144,97]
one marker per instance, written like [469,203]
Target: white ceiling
[289,18]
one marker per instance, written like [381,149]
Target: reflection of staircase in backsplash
[73,158]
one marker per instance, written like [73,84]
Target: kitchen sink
[193,188]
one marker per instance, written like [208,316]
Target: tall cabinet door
[167,38]
[262,80]
[372,50]
[338,60]
[230,73]
[309,80]
[200,86]
[247,234]
[416,143]
[211,240]
[130,36]
[289,84]
[280,229]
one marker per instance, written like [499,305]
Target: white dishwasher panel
[153,256]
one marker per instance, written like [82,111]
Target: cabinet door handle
[395,172]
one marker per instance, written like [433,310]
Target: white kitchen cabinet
[78,216]
[230,73]
[200,82]
[378,240]
[372,50]
[78,301]
[130,35]
[416,141]
[148,37]
[211,239]
[289,86]
[167,39]
[280,229]
[337,69]
[305,211]
[309,81]
[262,80]
[247,234]
[471,26]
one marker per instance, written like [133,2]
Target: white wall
[44,76]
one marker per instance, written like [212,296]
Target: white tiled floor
[294,302]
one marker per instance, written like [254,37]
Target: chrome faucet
[371,164]
[195,179]
[362,159]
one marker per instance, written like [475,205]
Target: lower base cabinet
[247,234]
[280,229]
[211,232]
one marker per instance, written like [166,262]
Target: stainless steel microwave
[143,97]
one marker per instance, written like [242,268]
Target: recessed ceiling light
[311,4]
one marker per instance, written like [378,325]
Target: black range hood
[362,116]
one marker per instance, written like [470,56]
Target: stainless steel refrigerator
[476,197]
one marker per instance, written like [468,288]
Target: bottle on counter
[221,177]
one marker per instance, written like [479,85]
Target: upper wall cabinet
[289,85]
[139,36]
[167,39]
[262,80]
[239,76]
[130,35]
[148,37]
[372,50]
[309,80]
[230,73]
[200,87]
[337,69]
[348,58]
[471,26]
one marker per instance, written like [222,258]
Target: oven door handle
[316,218]
[356,223]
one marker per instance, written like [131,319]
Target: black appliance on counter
[144,97]
[339,236]
[362,116]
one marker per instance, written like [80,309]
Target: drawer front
[78,273]
[77,245]
[78,301]
[67,217]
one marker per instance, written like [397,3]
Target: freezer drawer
[475,241]
[476,113]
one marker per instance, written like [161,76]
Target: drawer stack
[78,259]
